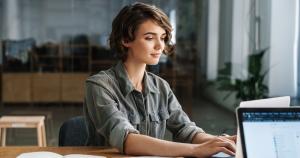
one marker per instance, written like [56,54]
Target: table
[13,152]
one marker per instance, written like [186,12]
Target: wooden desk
[13,152]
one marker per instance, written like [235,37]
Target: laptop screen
[270,132]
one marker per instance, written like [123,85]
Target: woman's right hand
[214,146]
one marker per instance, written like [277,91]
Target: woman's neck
[135,72]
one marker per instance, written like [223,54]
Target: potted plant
[250,88]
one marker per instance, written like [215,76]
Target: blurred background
[226,52]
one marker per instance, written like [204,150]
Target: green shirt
[113,108]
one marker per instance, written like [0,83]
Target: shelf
[50,72]
[16,87]
[43,87]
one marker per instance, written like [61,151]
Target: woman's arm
[136,144]
[204,137]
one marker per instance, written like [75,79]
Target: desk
[13,152]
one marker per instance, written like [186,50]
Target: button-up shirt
[113,109]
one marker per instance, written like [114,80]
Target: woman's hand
[208,145]
[214,146]
[232,138]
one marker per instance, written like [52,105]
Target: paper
[221,155]
[47,154]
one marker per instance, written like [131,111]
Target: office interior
[226,52]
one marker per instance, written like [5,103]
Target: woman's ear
[125,43]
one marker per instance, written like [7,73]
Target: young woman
[129,108]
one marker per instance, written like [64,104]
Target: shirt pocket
[158,124]
[135,120]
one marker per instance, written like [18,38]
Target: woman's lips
[156,55]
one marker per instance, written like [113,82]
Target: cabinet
[16,87]
[50,73]
[55,73]
[43,87]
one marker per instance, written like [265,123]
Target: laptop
[269,132]
[270,102]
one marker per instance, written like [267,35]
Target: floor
[212,118]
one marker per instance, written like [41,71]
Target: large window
[61,43]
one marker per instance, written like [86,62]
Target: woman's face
[148,44]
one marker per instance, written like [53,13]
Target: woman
[129,108]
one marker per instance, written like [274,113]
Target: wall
[1,19]
[11,21]
[278,30]
[298,89]
[283,48]
[202,41]
[225,32]
[187,27]
[60,20]
[218,48]
[1,29]
[219,36]
[212,39]
[264,14]
[56,20]
[240,44]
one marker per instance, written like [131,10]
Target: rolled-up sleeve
[105,116]
[179,123]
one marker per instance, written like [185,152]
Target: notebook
[269,132]
[48,154]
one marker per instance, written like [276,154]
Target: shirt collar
[125,84]
[149,84]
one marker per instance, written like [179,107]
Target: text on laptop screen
[272,134]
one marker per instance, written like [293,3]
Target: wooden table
[13,152]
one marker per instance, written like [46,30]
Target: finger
[225,150]
[223,142]
[227,145]
[233,138]
[228,139]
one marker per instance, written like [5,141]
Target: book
[48,154]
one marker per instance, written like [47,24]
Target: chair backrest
[73,132]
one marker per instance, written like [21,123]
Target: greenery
[250,88]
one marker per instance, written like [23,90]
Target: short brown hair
[129,19]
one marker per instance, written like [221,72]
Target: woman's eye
[149,38]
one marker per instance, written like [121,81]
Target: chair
[73,132]
[24,122]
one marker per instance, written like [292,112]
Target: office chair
[73,132]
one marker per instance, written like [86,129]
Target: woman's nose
[159,44]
